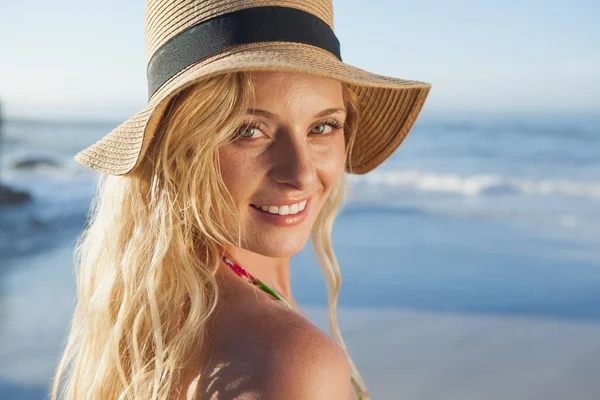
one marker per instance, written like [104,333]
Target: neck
[274,272]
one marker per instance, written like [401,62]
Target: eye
[249,131]
[321,127]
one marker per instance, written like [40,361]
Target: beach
[470,265]
[402,353]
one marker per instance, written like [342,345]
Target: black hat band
[250,25]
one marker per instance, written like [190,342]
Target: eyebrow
[270,115]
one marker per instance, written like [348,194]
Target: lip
[284,220]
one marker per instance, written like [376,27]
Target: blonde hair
[146,260]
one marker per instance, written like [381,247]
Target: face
[288,156]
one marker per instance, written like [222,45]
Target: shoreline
[424,355]
[401,352]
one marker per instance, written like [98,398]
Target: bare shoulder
[275,353]
[304,362]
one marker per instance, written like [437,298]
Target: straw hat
[191,39]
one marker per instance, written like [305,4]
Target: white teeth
[301,205]
[284,210]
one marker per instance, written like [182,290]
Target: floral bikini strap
[362,393]
[255,281]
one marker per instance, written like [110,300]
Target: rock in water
[32,163]
[10,196]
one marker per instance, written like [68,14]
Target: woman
[240,156]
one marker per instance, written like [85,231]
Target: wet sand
[402,353]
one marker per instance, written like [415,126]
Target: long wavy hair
[146,259]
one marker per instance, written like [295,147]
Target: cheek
[238,173]
[331,163]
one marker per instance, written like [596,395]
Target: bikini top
[361,392]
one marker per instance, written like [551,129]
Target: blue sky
[80,59]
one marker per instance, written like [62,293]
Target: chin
[284,247]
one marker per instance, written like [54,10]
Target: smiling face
[287,158]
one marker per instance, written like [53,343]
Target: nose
[292,162]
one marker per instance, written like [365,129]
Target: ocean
[479,238]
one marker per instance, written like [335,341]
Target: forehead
[296,90]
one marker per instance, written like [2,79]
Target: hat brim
[390,106]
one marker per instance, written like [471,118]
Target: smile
[287,215]
[291,209]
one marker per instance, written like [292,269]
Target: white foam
[475,185]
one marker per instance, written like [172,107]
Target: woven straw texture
[389,105]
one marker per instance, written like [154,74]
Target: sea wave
[476,185]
